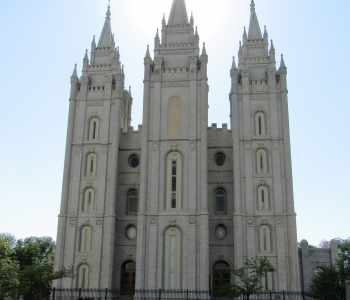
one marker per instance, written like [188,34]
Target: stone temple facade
[175,204]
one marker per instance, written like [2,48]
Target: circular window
[220,158]
[131,232]
[134,161]
[221,232]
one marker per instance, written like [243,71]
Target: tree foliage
[9,269]
[26,267]
[249,279]
[329,282]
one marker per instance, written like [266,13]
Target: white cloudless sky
[41,41]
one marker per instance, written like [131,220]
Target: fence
[98,294]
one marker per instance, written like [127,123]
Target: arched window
[172,259]
[260,124]
[221,277]
[265,238]
[174,180]
[127,278]
[220,201]
[93,129]
[261,161]
[91,164]
[85,239]
[83,277]
[88,202]
[132,202]
[263,198]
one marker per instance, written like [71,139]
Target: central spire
[178,14]
[106,39]
[254,27]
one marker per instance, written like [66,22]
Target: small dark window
[220,158]
[134,161]
[220,201]
[132,201]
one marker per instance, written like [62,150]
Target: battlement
[214,126]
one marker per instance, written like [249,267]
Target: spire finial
[148,54]
[283,66]
[204,50]
[245,36]
[106,38]
[108,14]
[254,27]
[75,72]
[252,6]
[234,66]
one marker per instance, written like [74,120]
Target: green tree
[329,282]
[9,282]
[35,258]
[249,279]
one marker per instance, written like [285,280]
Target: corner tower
[265,220]
[99,111]
[172,243]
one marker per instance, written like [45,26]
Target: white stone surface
[175,118]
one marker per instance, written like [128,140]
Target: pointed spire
[245,37]
[93,43]
[254,27]
[85,61]
[163,21]
[130,91]
[204,50]
[272,52]
[106,38]
[75,73]
[157,39]
[192,19]
[178,14]
[266,35]
[148,54]
[234,65]
[283,66]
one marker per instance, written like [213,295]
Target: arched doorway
[221,278]
[127,278]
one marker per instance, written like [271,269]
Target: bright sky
[41,41]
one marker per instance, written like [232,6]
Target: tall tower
[99,111]
[264,220]
[172,243]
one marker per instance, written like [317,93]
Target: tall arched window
[83,277]
[93,129]
[127,278]
[85,239]
[132,202]
[174,180]
[260,124]
[172,272]
[88,202]
[221,277]
[263,198]
[91,164]
[265,238]
[261,161]
[220,201]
